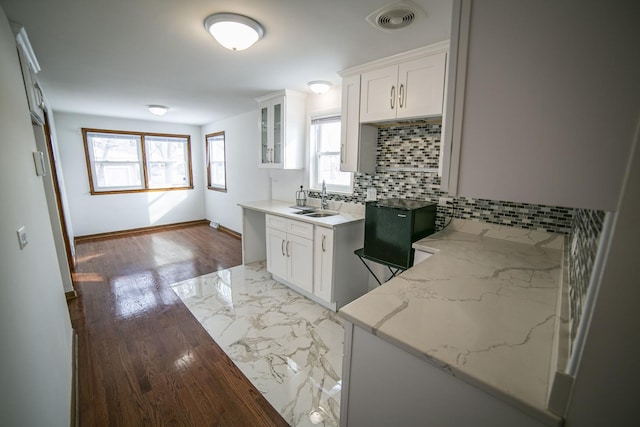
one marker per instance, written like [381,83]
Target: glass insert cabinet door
[264,135]
[272,132]
[277,133]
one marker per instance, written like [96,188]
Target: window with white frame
[120,161]
[216,162]
[325,156]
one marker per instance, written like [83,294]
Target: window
[216,164]
[325,156]
[120,162]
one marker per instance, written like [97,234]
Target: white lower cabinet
[323,268]
[290,251]
[317,261]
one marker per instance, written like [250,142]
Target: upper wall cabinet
[409,89]
[542,101]
[282,130]
[29,65]
[405,86]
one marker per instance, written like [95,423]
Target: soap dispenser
[301,197]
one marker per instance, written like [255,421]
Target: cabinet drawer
[276,222]
[301,229]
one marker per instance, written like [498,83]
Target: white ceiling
[114,57]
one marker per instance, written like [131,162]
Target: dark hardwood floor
[143,358]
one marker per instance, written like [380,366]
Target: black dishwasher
[392,225]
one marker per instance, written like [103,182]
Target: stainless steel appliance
[392,225]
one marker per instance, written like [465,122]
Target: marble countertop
[482,308]
[346,214]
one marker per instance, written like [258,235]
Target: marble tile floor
[288,346]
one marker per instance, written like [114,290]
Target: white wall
[35,331]
[245,181]
[114,212]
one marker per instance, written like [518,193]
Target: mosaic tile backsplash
[407,167]
[583,246]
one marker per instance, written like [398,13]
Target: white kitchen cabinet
[290,251]
[410,89]
[544,117]
[282,130]
[339,275]
[323,263]
[358,141]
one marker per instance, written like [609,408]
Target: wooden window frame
[210,186]
[143,162]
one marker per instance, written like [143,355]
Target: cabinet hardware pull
[288,249]
[393,97]
[402,216]
[341,153]
[282,248]
[323,239]
[401,96]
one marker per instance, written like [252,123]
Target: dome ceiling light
[319,86]
[158,110]
[235,32]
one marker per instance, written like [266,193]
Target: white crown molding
[442,46]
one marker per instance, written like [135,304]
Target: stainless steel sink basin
[304,211]
[320,214]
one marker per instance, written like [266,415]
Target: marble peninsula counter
[482,308]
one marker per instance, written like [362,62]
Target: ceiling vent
[395,16]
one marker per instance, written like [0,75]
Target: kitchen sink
[320,214]
[305,211]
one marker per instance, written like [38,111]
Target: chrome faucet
[324,204]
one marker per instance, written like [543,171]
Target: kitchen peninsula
[310,251]
[462,338]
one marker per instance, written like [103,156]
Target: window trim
[145,183]
[210,186]
[314,154]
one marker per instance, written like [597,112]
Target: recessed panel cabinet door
[323,268]
[421,86]
[379,94]
[276,252]
[300,260]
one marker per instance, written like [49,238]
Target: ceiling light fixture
[235,32]
[319,86]
[158,110]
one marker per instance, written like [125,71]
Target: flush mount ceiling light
[235,32]
[319,86]
[158,110]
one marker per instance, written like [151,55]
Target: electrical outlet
[371,194]
[22,237]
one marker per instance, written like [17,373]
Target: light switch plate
[22,237]
[371,194]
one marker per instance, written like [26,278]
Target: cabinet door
[276,252]
[379,94]
[421,86]
[278,131]
[323,264]
[299,252]
[358,141]
[265,149]
[350,124]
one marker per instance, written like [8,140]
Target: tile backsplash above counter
[407,157]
